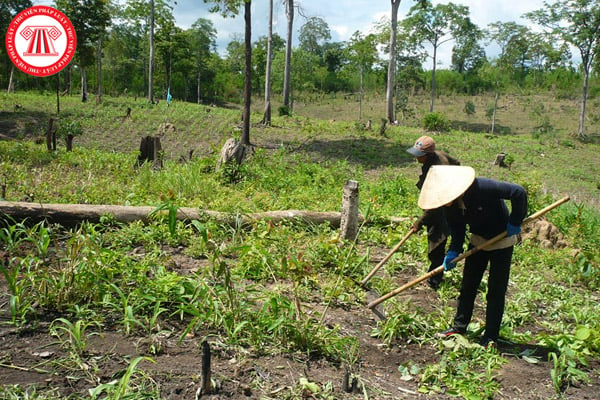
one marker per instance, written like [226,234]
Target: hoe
[439,269]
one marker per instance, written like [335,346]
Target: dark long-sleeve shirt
[431,217]
[485,210]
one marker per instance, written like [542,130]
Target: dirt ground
[27,354]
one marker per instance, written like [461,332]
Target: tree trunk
[69,142]
[586,78]
[198,88]
[72,214]
[289,11]
[267,115]
[99,65]
[496,97]
[232,151]
[11,85]
[151,56]
[245,139]
[69,80]
[349,218]
[432,98]
[58,93]
[84,95]
[389,97]
[150,150]
[360,99]
[51,136]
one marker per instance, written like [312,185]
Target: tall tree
[468,54]
[576,22]
[391,74]
[90,18]
[8,10]
[231,8]
[146,17]
[362,52]
[151,53]
[267,113]
[204,37]
[437,25]
[289,12]
[502,34]
[313,36]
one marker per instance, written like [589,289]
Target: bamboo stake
[464,255]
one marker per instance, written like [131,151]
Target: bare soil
[29,357]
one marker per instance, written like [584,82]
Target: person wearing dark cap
[435,221]
[480,204]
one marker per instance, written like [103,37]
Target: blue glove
[448,264]
[512,229]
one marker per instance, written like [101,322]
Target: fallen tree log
[73,214]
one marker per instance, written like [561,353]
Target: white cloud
[341,30]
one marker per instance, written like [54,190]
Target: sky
[344,17]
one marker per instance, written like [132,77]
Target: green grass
[254,279]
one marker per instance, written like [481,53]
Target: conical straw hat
[444,183]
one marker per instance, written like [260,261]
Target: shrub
[469,108]
[285,111]
[436,121]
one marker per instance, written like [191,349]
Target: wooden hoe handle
[387,257]
[465,255]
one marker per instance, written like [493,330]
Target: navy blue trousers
[475,266]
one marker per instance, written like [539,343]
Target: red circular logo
[41,41]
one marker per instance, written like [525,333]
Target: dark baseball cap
[424,145]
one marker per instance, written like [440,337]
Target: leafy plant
[119,389]
[465,369]
[72,336]
[469,108]
[436,122]
[69,127]
[172,208]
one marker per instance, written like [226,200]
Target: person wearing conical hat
[435,220]
[480,204]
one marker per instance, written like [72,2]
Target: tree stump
[499,161]
[383,126]
[205,373]
[51,135]
[165,128]
[151,151]
[349,217]
[69,142]
[232,151]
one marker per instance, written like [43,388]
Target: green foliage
[284,111]
[570,357]
[465,369]
[253,286]
[436,122]
[469,108]
[69,127]
[133,383]
[72,336]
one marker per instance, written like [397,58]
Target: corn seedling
[12,236]
[119,389]
[19,285]
[72,336]
[126,309]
